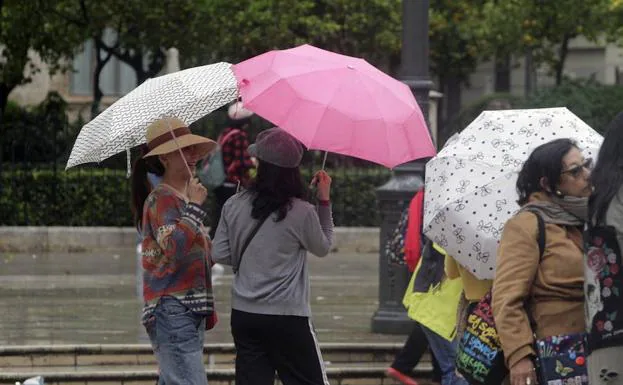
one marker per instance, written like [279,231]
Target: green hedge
[100,197]
[76,198]
[595,103]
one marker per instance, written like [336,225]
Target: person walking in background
[434,302]
[409,357]
[416,344]
[177,292]
[602,262]
[540,292]
[265,233]
[234,141]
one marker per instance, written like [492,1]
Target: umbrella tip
[351,67]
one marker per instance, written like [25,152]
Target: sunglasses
[578,170]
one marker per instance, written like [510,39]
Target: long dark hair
[274,188]
[545,161]
[140,184]
[607,176]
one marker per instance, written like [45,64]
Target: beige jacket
[552,290]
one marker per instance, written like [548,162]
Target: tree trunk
[452,94]
[449,108]
[100,62]
[559,67]
[528,73]
[502,73]
[4,99]
[135,60]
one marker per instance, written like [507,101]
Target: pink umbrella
[336,103]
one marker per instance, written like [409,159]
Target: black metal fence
[35,189]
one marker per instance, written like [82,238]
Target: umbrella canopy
[336,103]
[470,184]
[187,95]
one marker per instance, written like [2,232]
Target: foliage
[545,27]
[244,28]
[77,198]
[100,197]
[615,22]
[456,42]
[143,30]
[240,29]
[471,112]
[594,103]
[31,24]
[38,134]
[368,29]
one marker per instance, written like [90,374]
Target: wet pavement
[77,298]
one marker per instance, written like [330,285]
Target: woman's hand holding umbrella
[322,181]
[196,192]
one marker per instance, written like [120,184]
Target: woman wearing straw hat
[179,304]
[276,227]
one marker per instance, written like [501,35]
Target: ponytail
[140,184]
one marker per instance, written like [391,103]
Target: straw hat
[168,134]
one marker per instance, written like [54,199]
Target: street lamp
[396,194]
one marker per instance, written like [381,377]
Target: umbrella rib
[387,133]
[338,88]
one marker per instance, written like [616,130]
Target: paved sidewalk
[64,298]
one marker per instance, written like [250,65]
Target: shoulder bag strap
[541,239]
[541,242]
[248,241]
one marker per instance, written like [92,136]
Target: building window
[116,79]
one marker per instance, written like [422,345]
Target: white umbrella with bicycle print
[470,184]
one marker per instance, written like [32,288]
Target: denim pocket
[150,327]
[172,307]
[178,327]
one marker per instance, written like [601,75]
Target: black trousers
[221,195]
[266,344]
[412,351]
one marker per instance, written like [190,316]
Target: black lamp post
[396,194]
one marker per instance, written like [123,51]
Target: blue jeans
[445,352]
[176,335]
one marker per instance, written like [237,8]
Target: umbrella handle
[324,161]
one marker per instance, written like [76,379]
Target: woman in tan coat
[553,183]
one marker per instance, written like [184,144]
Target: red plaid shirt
[236,158]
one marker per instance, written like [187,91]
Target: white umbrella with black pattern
[187,95]
[470,184]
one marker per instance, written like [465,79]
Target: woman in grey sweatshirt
[603,285]
[265,233]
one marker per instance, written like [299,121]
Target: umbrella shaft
[180,150]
